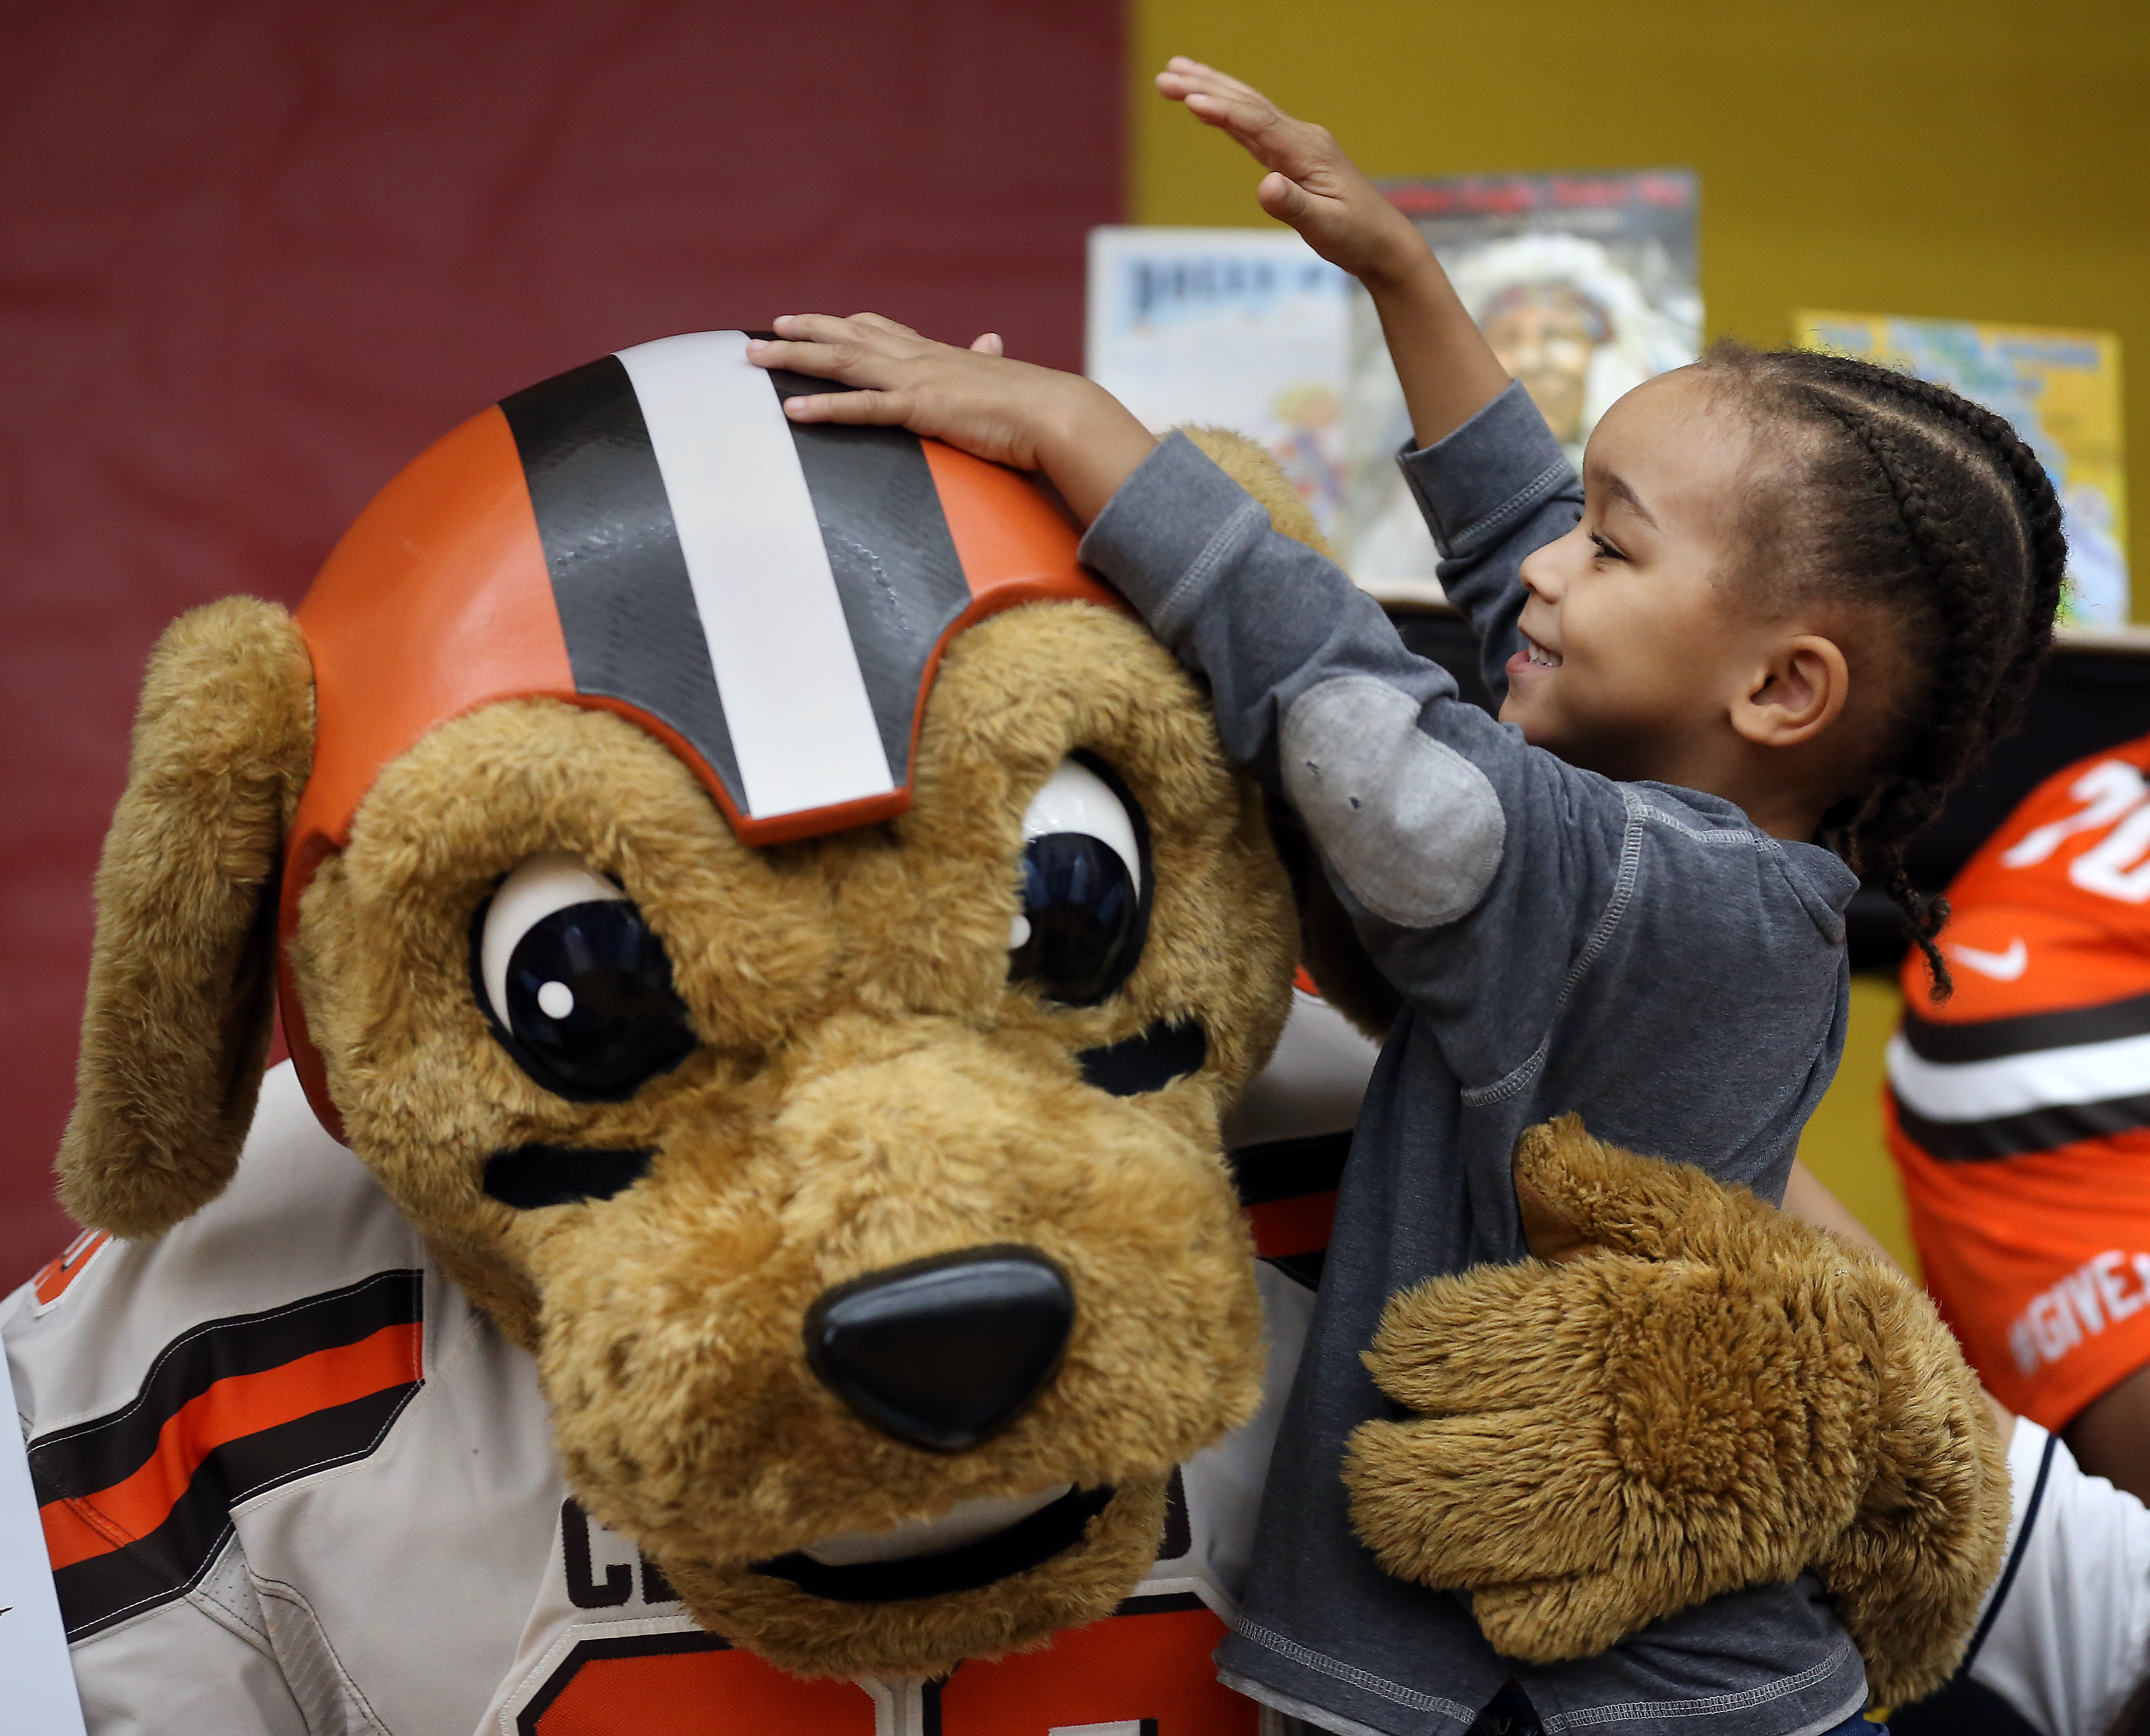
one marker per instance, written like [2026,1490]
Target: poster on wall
[2059,390]
[1585,285]
[1242,329]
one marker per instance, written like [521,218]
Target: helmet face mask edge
[649,535]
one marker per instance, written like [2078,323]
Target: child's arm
[1448,369]
[1487,499]
[1468,860]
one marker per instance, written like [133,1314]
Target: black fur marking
[529,1177]
[1168,1050]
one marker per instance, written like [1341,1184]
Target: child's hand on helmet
[1312,185]
[1011,412]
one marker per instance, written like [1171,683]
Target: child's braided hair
[1902,495]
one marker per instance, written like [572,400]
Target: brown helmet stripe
[894,564]
[620,577]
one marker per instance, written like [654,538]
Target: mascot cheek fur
[871,1103]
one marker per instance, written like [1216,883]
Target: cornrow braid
[1906,496]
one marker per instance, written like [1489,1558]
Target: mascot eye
[1085,886]
[576,982]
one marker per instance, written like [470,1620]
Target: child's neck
[1779,790]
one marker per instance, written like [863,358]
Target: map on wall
[2059,390]
[1583,283]
[1236,328]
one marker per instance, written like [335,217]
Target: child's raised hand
[1312,185]
[1011,412]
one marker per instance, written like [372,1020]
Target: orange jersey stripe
[2018,1254]
[51,1284]
[1292,1226]
[240,1405]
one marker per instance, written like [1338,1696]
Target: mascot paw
[1551,1621]
[1694,1394]
[1608,1441]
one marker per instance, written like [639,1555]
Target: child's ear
[175,1024]
[1798,692]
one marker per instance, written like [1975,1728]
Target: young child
[1793,599]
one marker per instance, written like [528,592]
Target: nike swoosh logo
[2000,967]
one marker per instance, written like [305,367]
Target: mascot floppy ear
[175,1026]
[1328,944]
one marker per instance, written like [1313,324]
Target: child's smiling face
[1638,637]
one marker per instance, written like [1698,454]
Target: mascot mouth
[859,1567]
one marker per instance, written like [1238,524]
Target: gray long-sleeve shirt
[1637,952]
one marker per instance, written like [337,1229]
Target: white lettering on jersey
[2079,1306]
[2109,790]
[2116,866]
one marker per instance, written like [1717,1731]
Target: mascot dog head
[792,986]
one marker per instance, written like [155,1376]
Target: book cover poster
[2059,390]
[1585,286]
[1240,329]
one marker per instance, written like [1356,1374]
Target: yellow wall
[1972,159]
[1843,1144]
[1951,159]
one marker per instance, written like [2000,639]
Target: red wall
[256,254]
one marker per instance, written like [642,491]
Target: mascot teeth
[968,1522]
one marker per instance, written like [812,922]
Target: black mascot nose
[948,1351]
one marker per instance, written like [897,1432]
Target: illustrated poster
[1585,286]
[1240,328]
[2061,392]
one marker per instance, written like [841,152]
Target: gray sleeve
[1492,493]
[1466,859]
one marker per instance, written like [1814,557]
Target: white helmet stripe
[794,701]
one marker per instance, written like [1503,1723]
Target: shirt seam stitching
[1532,494]
[1226,536]
[1745,1701]
[1616,910]
[1760,842]
[1366,1680]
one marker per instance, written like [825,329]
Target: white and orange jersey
[2019,1110]
[291,1482]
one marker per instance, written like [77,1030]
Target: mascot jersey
[2019,1109]
[292,1482]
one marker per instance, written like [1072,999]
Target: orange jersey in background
[2019,1110]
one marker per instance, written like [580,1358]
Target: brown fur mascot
[772,943]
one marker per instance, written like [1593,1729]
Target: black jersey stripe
[1287,1169]
[619,579]
[2016,1136]
[169,1561]
[1994,1039]
[80,1460]
[897,573]
[1302,1269]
